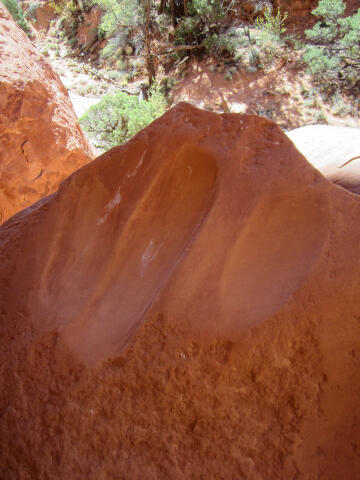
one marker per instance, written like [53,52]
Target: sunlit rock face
[185,306]
[334,151]
[40,140]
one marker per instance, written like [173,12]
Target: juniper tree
[334,55]
[130,14]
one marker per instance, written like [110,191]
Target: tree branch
[180,48]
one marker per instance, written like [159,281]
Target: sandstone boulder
[186,306]
[43,14]
[335,151]
[40,139]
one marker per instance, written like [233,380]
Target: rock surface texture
[185,307]
[299,12]
[335,151]
[40,140]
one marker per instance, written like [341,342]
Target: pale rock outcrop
[41,142]
[334,151]
[186,306]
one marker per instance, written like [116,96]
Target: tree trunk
[186,11]
[173,12]
[149,60]
[162,6]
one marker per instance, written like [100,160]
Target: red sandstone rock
[186,306]
[299,12]
[87,31]
[296,7]
[43,16]
[40,139]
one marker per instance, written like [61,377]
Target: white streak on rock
[109,206]
[148,256]
[134,172]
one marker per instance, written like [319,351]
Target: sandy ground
[282,93]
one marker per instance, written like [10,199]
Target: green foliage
[206,26]
[228,76]
[203,26]
[271,33]
[350,32]
[122,17]
[117,118]
[320,117]
[220,45]
[115,45]
[336,58]
[272,25]
[72,6]
[253,59]
[322,33]
[211,11]
[188,32]
[17,13]
[329,10]
[320,65]
[119,14]
[66,7]
[71,12]
[340,108]
[327,29]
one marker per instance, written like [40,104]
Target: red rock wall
[87,31]
[297,7]
[43,16]
[299,12]
[186,306]
[41,142]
